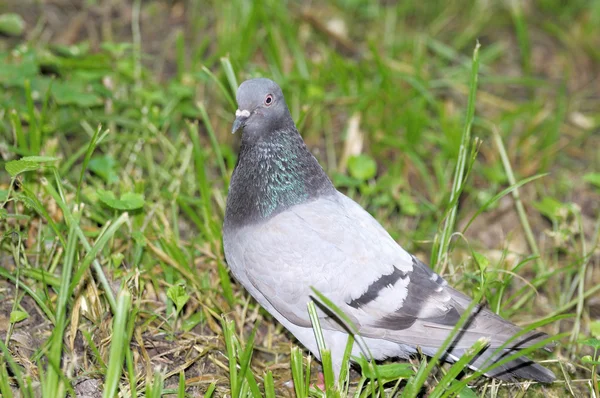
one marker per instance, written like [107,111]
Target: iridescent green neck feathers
[273,174]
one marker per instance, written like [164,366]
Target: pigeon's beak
[240,120]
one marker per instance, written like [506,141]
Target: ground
[380,92]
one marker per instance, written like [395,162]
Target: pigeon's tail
[502,333]
[522,367]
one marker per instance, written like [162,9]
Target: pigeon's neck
[272,175]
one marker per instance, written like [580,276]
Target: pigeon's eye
[268,100]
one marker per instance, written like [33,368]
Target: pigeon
[288,230]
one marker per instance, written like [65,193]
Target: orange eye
[268,100]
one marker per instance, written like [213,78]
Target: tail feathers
[499,332]
[519,368]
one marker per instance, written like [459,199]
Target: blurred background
[380,92]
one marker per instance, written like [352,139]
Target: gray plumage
[288,229]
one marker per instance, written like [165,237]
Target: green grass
[116,155]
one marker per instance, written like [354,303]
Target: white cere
[244,112]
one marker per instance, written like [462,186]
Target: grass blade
[230,345]
[214,142]
[117,346]
[16,370]
[296,363]
[270,385]
[458,367]
[52,386]
[221,87]
[88,155]
[210,390]
[40,301]
[35,132]
[501,194]
[419,380]
[326,361]
[15,122]
[541,266]
[440,248]
[106,235]
[230,74]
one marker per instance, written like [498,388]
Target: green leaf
[590,360]
[549,207]
[407,205]
[314,91]
[3,195]
[16,167]
[466,392]
[592,178]
[178,296]
[75,93]
[362,167]
[481,260]
[116,49]
[39,159]
[15,71]
[18,316]
[180,91]
[595,329]
[592,342]
[27,163]
[127,201]
[139,238]
[11,24]
[117,259]
[75,50]
[104,167]
[190,322]
[342,180]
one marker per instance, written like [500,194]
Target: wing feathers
[377,287]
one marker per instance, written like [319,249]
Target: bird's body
[287,230]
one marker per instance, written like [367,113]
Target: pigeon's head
[261,107]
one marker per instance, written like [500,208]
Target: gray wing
[335,246]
